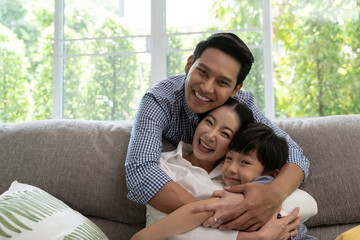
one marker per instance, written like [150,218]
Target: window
[316,56]
[85,59]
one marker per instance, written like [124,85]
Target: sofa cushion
[27,212]
[79,162]
[332,145]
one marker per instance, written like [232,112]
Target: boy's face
[239,168]
[213,135]
[211,80]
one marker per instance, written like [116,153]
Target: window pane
[105,87]
[254,82]
[84,17]
[26,71]
[316,48]
[207,14]
[106,64]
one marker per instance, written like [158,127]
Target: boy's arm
[179,221]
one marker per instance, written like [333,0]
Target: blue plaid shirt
[164,113]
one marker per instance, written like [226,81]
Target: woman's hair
[272,150]
[244,113]
[232,45]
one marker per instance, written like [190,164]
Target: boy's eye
[228,158]
[208,121]
[245,162]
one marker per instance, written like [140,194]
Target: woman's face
[214,133]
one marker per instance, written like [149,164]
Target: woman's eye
[226,134]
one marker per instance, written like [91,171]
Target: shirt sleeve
[144,178]
[296,154]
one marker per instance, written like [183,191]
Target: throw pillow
[27,212]
[352,234]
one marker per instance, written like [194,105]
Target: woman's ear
[188,64]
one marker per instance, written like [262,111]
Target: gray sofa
[82,163]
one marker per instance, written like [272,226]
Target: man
[172,109]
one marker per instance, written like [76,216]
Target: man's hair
[272,150]
[232,45]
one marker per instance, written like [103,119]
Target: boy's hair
[272,150]
[232,45]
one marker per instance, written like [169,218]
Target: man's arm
[146,181]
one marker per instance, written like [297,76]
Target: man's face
[211,80]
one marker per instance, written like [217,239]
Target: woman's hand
[228,201]
[281,228]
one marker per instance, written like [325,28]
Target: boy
[255,155]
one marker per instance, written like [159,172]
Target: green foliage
[43,77]
[14,101]
[245,15]
[316,58]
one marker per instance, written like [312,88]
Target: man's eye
[223,83]
[202,72]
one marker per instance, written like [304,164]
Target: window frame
[157,46]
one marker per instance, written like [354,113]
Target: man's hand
[260,203]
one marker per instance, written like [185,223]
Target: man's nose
[208,85]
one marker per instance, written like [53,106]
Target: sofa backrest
[82,163]
[79,162]
[332,145]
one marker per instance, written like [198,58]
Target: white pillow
[303,200]
[27,212]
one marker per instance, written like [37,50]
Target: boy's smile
[241,168]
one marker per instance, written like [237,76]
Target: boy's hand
[281,228]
